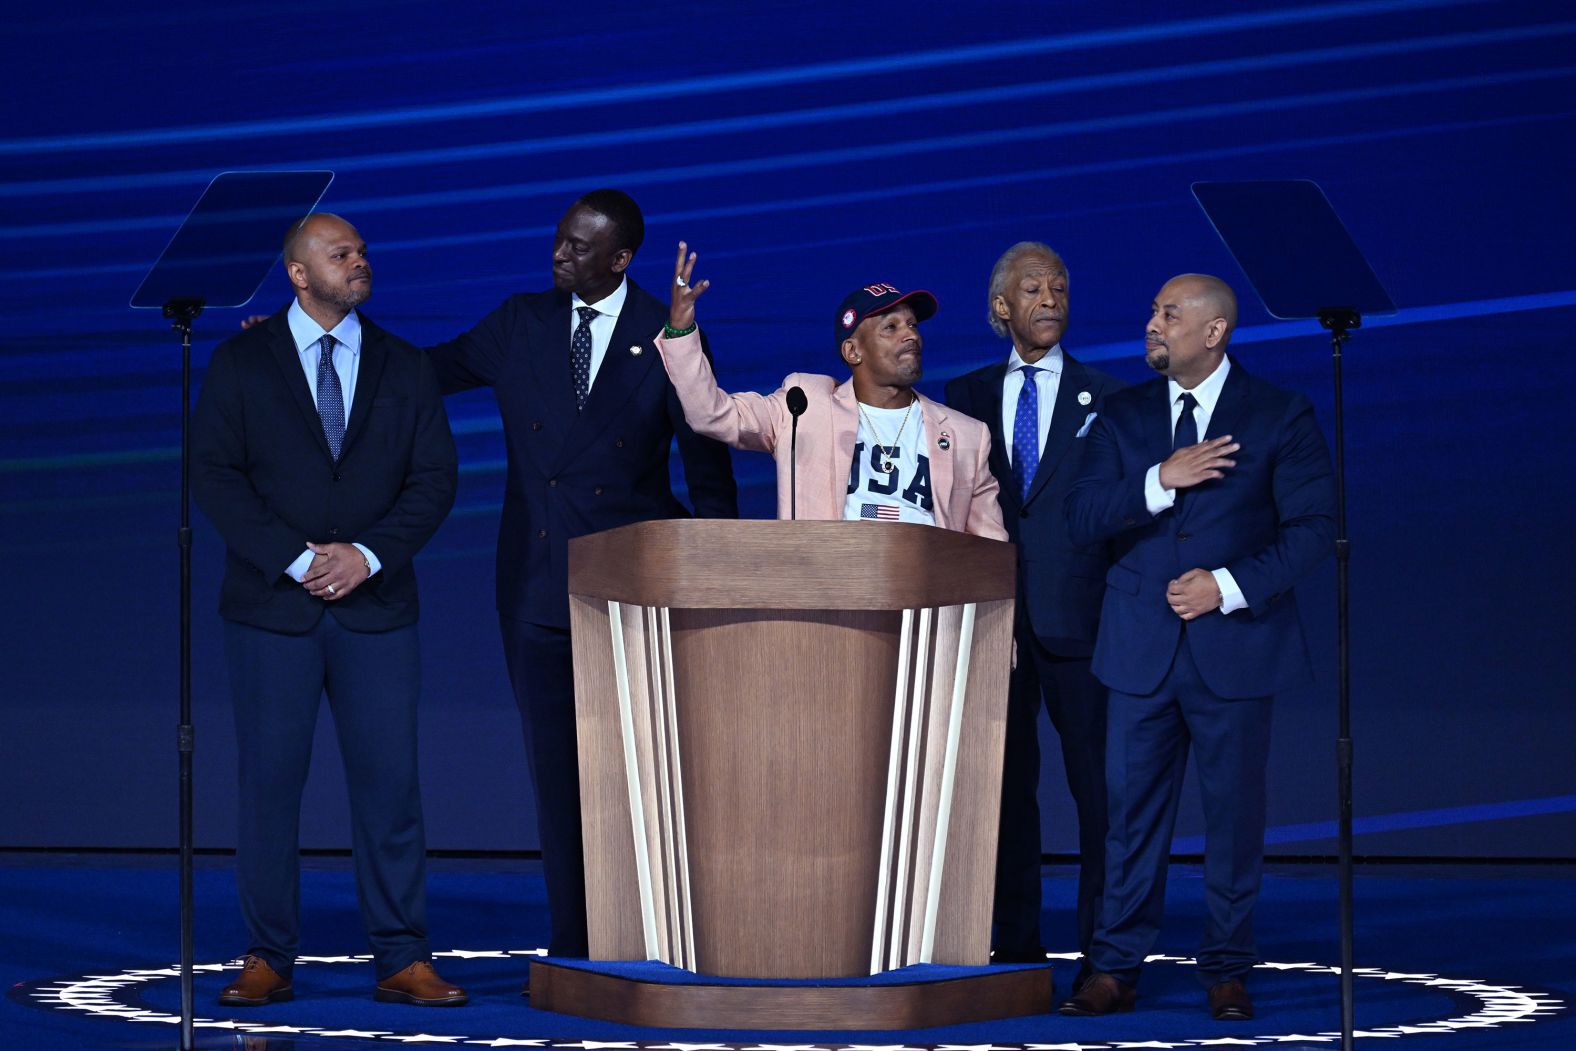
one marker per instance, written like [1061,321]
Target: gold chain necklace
[888,451]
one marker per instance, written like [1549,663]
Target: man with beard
[1040,403]
[322,454]
[1199,627]
[870,447]
[589,417]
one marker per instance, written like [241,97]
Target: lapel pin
[1084,397]
[945,441]
[637,350]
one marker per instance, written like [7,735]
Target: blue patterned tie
[330,396]
[580,355]
[1026,433]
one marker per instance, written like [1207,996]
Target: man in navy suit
[1039,404]
[1199,627]
[322,454]
[589,418]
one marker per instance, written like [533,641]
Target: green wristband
[674,333]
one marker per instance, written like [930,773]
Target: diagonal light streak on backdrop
[704,85]
[850,154]
[627,136]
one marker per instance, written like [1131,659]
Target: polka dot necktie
[330,396]
[580,355]
[1026,433]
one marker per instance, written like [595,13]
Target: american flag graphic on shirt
[886,512]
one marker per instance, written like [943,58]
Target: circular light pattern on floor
[107,996]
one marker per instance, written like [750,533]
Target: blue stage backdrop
[805,149]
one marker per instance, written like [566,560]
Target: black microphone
[797,403]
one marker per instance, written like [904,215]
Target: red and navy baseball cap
[878,299]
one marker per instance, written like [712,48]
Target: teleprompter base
[639,994]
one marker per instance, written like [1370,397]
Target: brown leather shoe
[1101,994]
[419,984]
[257,984]
[1229,1001]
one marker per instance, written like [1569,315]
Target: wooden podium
[790,765]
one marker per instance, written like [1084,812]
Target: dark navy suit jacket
[262,473]
[572,473]
[1060,582]
[1269,521]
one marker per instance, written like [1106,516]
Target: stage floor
[1461,957]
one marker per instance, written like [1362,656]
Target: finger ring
[331,589]
[680,282]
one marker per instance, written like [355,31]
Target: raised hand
[681,314]
[1192,464]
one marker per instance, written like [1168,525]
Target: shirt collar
[307,332]
[609,305]
[1051,362]
[1207,392]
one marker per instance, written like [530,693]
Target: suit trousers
[1076,703]
[541,672]
[1147,744]
[372,681]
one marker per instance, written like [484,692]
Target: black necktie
[330,396]
[580,355]
[1186,434]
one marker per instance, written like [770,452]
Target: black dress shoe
[1229,1001]
[1085,972]
[1102,994]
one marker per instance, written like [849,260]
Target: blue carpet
[1455,959]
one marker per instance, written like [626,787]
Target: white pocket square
[1088,422]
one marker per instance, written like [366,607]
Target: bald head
[326,260]
[1190,324]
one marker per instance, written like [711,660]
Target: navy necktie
[1026,433]
[1187,426]
[330,396]
[580,355]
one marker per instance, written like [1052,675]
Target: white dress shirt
[1046,383]
[347,362]
[602,325]
[1207,394]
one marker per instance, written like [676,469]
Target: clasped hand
[1193,594]
[336,571]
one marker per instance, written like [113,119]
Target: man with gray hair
[1039,403]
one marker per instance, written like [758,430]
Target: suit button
[536,425]
[334,531]
[552,483]
[597,490]
[541,534]
[1184,536]
[1023,512]
[619,443]
[337,476]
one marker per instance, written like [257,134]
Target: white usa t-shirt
[903,494]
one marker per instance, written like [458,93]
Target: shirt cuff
[296,570]
[1156,498]
[1231,597]
[373,565]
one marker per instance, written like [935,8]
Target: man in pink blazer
[870,447]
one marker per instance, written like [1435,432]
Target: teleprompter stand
[218,257]
[1302,263]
